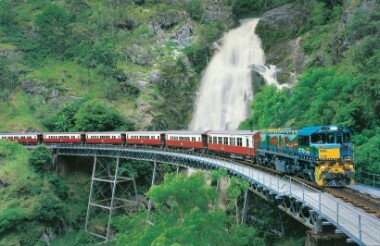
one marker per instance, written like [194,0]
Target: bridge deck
[361,227]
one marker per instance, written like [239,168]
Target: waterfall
[226,90]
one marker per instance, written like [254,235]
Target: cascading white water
[226,90]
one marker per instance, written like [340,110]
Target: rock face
[290,58]
[140,56]
[287,56]
[289,17]
[215,11]
[183,36]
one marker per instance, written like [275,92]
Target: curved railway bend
[314,208]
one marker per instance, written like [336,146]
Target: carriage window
[239,141]
[226,140]
[232,141]
[214,140]
[247,142]
[346,137]
[219,140]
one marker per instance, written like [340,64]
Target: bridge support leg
[110,190]
[245,207]
[153,182]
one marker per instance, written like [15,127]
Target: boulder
[32,87]
[289,17]
[155,76]
[143,113]
[140,56]
[182,37]
[170,18]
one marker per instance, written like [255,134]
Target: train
[320,154]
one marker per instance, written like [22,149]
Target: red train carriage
[22,138]
[63,137]
[242,143]
[186,139]
[105,137]
[145,138]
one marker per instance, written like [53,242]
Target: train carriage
[22,138]
[105,137]
[63,137]
[145,138]
[186,139]
[242,143]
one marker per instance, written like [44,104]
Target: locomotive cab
[331,150]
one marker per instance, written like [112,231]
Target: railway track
[367,203]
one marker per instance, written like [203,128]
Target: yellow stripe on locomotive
[328,154]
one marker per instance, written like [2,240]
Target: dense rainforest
[81,65]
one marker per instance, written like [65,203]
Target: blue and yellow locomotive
[322,154]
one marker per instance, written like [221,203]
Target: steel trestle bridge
[312,207]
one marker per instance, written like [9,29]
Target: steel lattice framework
[311,207]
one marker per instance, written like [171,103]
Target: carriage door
[204,141]
[163,139]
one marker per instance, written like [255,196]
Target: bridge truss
[311,207]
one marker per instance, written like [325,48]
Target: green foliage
[86,115]
[243,8]
[366,159]
[172,193]
[97,116]
[59,186]
[40,158]
[177,88]
[8,78]
[53,27]
[11,217]
[195,9]
[365,22]
[198,52]
[319,15]
[74,238]
[49,208]
[7,13]
[216,175]
[64,120]
[183,218]
[102,56]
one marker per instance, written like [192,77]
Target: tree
[97,116]
[64,121]
[53,27]
[102,56]
[183,216]
[8,79]
[7,13]
[40,158]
